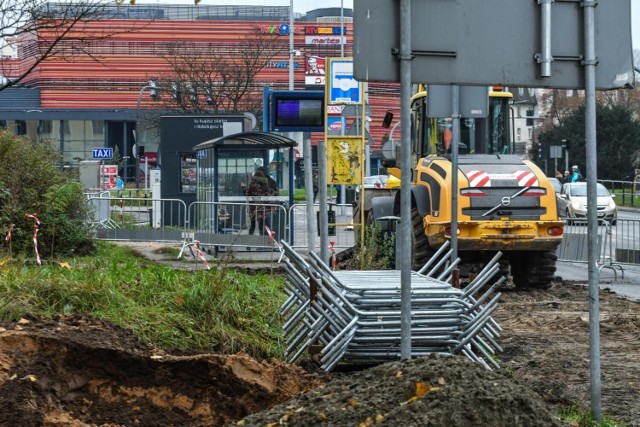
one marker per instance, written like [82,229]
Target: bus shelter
[225,167]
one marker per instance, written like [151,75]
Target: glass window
[98,127]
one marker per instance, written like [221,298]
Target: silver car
[572,203]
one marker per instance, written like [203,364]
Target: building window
[45,128]
[188,173]
[98,127]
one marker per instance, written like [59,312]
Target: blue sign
[103,153]
[343,88]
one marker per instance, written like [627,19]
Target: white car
[572,203]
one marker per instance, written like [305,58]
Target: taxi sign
[103,153]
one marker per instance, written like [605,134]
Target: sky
[303,6]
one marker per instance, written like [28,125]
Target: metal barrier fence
[224,224]
[138,219]
[627,192]
[617,244]
[340,224]
[215,224]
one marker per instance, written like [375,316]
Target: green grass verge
[577,418]
[216,310]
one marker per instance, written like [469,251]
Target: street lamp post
[153,87]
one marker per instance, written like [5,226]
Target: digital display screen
[299,112]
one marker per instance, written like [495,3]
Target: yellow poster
[345,160]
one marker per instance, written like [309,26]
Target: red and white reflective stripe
[478,179]
[526,178]
[201,254]
[35,235]
[8,236]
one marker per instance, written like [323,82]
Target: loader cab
[433,135]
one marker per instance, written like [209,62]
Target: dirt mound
[432,391]
[79,371]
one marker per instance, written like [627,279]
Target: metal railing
[618,244]
[225,224]
[627,193]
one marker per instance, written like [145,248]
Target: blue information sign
[103,153]
[343,88]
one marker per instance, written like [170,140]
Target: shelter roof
[256,139]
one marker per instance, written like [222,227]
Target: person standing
[576,176]
[257,190]
[119,186]
[567,177]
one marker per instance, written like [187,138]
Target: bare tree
[38,30]
[216,77]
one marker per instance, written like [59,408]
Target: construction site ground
[80,371]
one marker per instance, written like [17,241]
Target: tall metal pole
[455,97]
[405,183]
[592,208]
[291,52]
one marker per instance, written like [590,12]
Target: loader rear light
[473,192]
[447,232]
[535,192]
[555,231]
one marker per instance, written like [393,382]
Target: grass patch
[578,418]
[217,310]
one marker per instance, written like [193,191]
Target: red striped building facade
[119,57]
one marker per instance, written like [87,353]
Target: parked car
[572,203]
[557,185]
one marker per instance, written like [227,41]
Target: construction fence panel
[617,243]
[224,225]
[340,225]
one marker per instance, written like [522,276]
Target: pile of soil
[80,371]
[433,391]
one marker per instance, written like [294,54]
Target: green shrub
[32,182]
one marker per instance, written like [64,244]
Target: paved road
[610,278]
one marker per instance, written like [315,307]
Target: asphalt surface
[621,279]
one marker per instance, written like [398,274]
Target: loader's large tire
[533,269]
[420,250]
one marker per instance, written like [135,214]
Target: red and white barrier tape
[332,250]
[35,235]
[272,236]
[201,254]
[8,236]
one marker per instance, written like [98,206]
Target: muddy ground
[78,371]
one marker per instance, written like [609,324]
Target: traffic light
[388,117]
[529,117]
[540,150]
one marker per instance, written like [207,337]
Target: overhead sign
[343,88]
[102,153]
[470,42]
